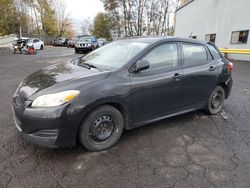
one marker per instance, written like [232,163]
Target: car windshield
[101,39]
[113,55]
[85,39]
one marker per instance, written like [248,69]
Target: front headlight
[55,99]
[89,44]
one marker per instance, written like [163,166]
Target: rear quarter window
[214,52]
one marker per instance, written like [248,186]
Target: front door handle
[177,76]
[212,68]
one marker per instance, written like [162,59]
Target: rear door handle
[177,76]
[212,68]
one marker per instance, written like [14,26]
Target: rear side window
[194,54]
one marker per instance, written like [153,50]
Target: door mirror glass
[141,65]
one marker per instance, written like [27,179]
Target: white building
[225,22]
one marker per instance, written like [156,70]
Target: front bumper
[48,127]
[48,141]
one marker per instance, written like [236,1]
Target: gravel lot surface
[192,150]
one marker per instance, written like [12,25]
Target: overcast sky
[81,9]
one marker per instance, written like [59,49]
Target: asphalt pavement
[191,150]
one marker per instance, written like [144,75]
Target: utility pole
[20,31]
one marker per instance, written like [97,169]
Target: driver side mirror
[141,65]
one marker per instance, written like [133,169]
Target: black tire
[215,100]
[76,51]
[41,48]
[90,140]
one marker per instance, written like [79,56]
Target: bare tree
[141,17]
[86,26]
[63,19]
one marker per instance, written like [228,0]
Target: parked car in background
[36,43]
[60,41]
[122,85]
[71,43]
[19,44]
[102,41]
[86,43]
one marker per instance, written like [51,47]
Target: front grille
[20,100]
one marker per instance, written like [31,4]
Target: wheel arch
[226,89]
[118,105]
[123,111]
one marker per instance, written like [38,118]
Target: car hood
[83,42]
[57,76]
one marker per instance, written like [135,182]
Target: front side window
[163,56]
[194,54]
[239,37]
[210,37]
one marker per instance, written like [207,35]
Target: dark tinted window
[239,37]
[210,37]
[194,54]
[163,56]
[35,40]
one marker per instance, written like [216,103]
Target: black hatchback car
[123,85]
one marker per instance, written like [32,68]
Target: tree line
[35,17]
[121,18]
[134,18]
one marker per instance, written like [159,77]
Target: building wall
[202,17]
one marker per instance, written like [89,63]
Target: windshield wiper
[89,66]
[84,65]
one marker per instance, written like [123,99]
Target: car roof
[24,38]
[154,39]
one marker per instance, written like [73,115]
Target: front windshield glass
[114,55]
[85,39]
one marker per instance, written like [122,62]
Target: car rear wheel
[101,129]
[215,100]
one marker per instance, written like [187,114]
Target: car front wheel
[41,48]
[101,129]
[215,100]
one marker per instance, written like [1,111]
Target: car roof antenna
[190,36]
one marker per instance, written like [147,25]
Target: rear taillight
[230,67]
